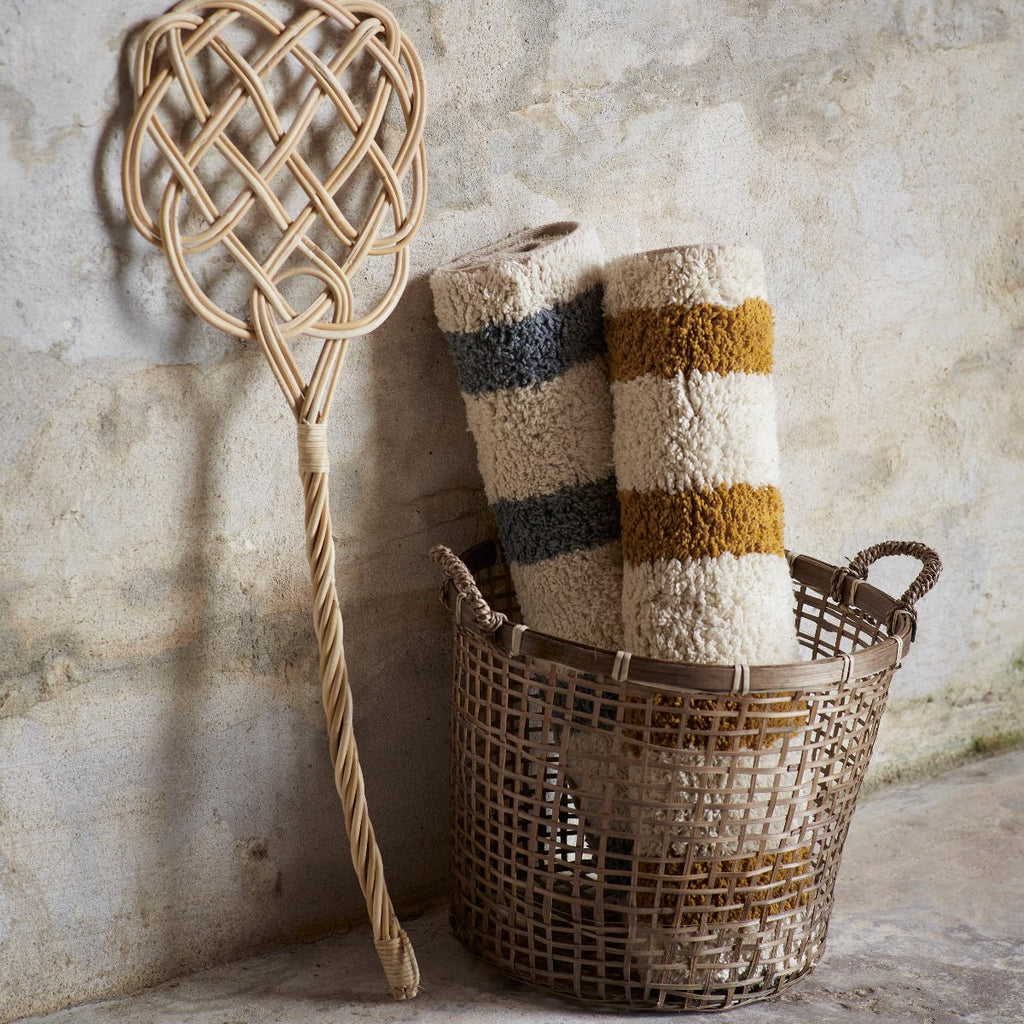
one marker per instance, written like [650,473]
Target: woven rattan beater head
[286,145]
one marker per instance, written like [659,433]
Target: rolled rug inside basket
[690,337]
[523,319]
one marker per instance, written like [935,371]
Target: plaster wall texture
[165,790]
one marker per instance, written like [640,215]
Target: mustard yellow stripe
[734,889]
[737,518]
[678,339]
[691,722]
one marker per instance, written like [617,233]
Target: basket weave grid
[665,847]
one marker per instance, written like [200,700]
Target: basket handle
[924,581]
[456,573]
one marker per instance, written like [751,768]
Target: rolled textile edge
[750,623]
[684,275]
[593,577]
[517,277]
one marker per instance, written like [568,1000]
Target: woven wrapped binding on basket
[567,882]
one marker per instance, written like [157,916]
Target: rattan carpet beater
[236,106]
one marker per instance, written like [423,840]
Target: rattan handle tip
[400,967]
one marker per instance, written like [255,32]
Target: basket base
[600,964]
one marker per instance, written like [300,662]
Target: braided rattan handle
[857,570]
[925,579]
[393,946]
[456,573]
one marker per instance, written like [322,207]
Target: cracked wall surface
[166,798]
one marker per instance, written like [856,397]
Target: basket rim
[513,640]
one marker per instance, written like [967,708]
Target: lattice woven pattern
[167,65]
[265,144]
[690,874]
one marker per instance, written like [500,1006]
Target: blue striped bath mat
[523,319]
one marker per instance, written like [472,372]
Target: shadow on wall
[417,486]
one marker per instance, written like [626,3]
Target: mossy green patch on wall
[927,734]
[996,743]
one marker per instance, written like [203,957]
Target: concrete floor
[928,926]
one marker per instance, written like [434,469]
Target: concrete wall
[165,792]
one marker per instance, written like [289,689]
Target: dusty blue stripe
[539,348]
[545,526]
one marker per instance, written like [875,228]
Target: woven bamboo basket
[656,835]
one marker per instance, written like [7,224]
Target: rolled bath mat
[523,319]
[689,335]
[690,339]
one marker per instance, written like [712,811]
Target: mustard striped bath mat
[689,333]
[690,337]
